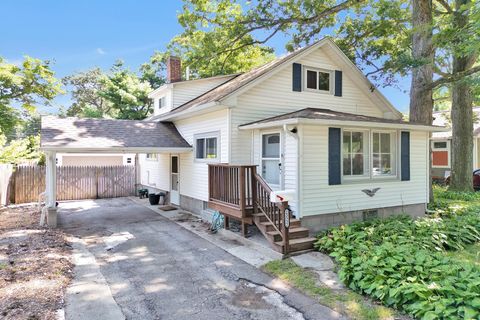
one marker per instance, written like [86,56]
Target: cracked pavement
[156,269]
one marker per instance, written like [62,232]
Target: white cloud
[100,51]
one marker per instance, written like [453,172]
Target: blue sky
[79,35]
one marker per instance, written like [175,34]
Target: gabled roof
[330,117]
[70,134]
[240,81]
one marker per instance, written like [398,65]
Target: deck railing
[237,190]
[277,213]
[231,185]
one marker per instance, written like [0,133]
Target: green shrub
[400,262]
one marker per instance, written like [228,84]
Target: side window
[152,156]
[206,146]
[161,102]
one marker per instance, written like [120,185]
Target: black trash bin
[153,198]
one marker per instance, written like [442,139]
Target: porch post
[51,188]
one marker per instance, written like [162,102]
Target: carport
[76,135]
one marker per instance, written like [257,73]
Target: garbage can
[162,196]
[153,198]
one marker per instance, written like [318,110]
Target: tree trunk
[421,94]
[462,116]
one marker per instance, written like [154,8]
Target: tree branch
[453,77]
[445,4]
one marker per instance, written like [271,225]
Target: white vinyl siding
[155,173]
[193,173]
[274,96]
[319,197]
[186,91]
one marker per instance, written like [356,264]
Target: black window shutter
[297,77]
[338,83]
[334,156]
[405,155]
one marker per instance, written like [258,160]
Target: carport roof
[107,135]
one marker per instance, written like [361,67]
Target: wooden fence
[74,182]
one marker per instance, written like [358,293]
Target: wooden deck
[239,193]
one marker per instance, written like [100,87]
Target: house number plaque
[287,218]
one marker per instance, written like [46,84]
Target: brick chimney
[174,69]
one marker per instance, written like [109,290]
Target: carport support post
[51,186]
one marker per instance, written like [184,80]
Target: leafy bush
[400,262]
[443,193]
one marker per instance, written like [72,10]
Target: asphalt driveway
[155,269]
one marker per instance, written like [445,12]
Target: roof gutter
[342,123]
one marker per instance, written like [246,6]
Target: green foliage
[402,262]
[127,93]
[208,48]
[25,85]
[346,302]
[20,151]
[84,88]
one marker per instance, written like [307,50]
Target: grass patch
[346,302]
[470,255]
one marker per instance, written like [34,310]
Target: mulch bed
[35,266]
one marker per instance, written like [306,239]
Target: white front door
[271,160]
[174,180]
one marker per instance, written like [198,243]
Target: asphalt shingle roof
[326,114]
[107,133]
[231,85]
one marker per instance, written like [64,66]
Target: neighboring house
[441,144]
[309,122]
[95,159]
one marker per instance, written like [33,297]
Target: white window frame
[393,157]
[317,70]
[151,156]
[369,163]
[162,102]
[366,155]
[207,135]
[448,149]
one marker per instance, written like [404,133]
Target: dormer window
[318,80]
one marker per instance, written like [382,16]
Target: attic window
[318,80]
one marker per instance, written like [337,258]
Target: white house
[309,122]
[441,144]
[282,117]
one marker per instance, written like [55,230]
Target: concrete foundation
[52,217]
[191,204]
[324,221]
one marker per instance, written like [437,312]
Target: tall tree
[86,101]
[463,60]
[126,92]
[26,85]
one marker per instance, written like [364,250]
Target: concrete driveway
[155,269]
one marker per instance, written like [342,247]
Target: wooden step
[299,244]
[294,233]
[268,226]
